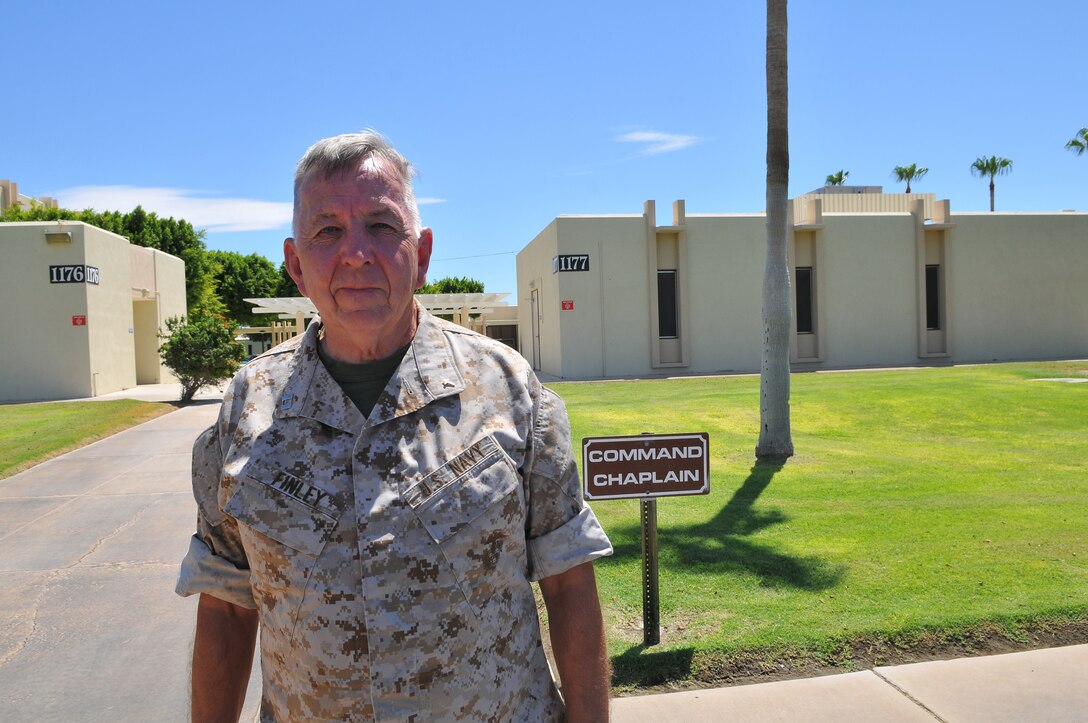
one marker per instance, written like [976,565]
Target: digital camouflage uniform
[390,557]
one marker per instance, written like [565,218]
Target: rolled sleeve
[216,563]
[581,539]
[563,531]
[202,571]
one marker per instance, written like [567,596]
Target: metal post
[651,612]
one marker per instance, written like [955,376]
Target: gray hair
[331,156]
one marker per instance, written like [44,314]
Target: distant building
[10,196]
[485,313]
[83,309]
[878,280]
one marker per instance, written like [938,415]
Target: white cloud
[657,142]
[196,207]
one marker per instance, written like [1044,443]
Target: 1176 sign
[73,274]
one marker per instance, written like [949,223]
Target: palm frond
[991,166]
[1079,143]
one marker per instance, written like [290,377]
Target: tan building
[83,308]
[10,196]
[878,279]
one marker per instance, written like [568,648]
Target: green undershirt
[363,383]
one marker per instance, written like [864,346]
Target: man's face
[357,257]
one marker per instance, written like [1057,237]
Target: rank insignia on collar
[286,403]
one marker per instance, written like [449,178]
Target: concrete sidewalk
[89,548]
[1039,685]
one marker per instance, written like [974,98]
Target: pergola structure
[468,310]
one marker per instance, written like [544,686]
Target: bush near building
[201,351]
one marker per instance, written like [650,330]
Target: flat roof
[481,304]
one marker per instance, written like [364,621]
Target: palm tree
[775,440]
[836,179]
[992,166]
[1079,143]
[909,173]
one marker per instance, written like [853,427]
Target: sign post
[651,600]
[647,467]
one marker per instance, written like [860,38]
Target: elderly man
[379,492]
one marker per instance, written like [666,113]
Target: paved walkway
[89,548]
[1039,685]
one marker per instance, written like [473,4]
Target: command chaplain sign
[646,466]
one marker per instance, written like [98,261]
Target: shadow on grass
[642,666]
[719,545]
[193,403]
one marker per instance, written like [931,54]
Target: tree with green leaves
[1079,143]
[201,351]
[775,439]
[239,277]
[453,285]
[909,173]
[989,167]
[175,237]
[838,178]
[286,288]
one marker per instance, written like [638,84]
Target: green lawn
[938,500]
[33,433]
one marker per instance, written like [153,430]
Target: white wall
[870,294]
[45,356]
[534,264]
[1018,286]
[726,270]
[1014,289]
[110,326]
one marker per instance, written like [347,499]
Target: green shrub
[200,350]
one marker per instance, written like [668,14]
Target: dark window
[804,300]
[506,333]
[933,296]
[667,317]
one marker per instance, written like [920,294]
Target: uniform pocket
[452,497]
[474,512]
[283,508]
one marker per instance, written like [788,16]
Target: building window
[933,296]
[804,300]
[506,333]
[667,309]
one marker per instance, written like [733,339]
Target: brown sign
[649,465]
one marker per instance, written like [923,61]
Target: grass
[33,433]
[921,505]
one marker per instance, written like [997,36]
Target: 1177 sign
[73,274]
[570,262]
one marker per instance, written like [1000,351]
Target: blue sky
[515,113]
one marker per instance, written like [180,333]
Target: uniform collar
[427,372]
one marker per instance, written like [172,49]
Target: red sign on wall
[79,320]
[568,305]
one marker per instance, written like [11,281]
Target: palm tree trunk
[775,440]
[991,194]
[908,186]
